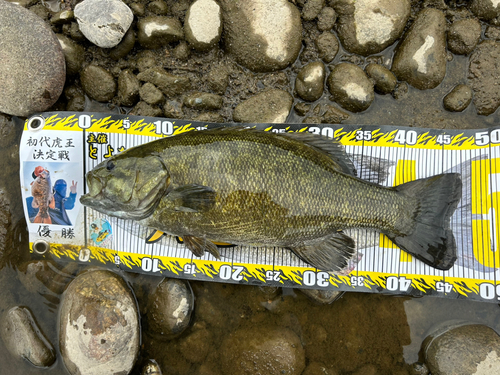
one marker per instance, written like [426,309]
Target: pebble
[218,79]
[385,80]
[311,9]
[144,109]
[262,35]
[310,81]
[62,17]
[170,84]
[326,19]
[485,9]
[128,88]
[419,368]
[351,87]
[262,350]
[150,94]
[203,24]
[420,58]
[327,45]
[463,36]
[73,53]
[151,368]
[158,7]
[169,308]
[157,31]
[98,83]
[173,109]
[103,22]
[369,26]
[23,338]
[465,350]
[99,330]
[483,77]
[458,99]
[272,106]
[203,100]
[124,47]
[33,69]
[181,51]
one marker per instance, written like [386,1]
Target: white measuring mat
[66,145]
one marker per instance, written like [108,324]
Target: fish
[292,190]
[41,190]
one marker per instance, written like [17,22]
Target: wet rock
[326,19]
[271,106]
[327,45]
[98,325]
[218,80]
[203,100]
[169,309]
[316,368]
[483,75]
[311,9]
[209,117]
[173,109]
[262,35]
[128,88]
[322,297]
[98,83]
[151,368]
[33,69]
[385,80]
[23,338]
[62,17]
[420,58]
[103,22]
[351,87]
[157,31]
[400,91]
[43,277]
[419,368]
[7,138]
[158,7]
[203,24]
[469,349]
[170,84]
[262,350]
[485,9]
[458,99]
[138,9]
[366,27]
[463,36]
[196,346]
[367,370]
[310,81]
[181,51]
[144,109]
[302,108]
[492,32]
[150,94]
[124,47]
[73,53]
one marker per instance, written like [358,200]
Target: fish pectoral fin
[192,198]
[327,254]
[199,245]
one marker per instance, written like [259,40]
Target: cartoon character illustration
[41,191]
[100,232]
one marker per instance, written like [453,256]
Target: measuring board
[69,144]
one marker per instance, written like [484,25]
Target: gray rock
[483,77]
[271,106]
[32,69]
[321,296]
[327,45]
[157,31]
[310,81]
[150,94]
[124,47]
[366,27]
[262,350]
[466,350]
[23,338]
[203,100]
[385,80]
[171,85]
[458,99]
[203,24]
[311,9]
[103,22]
[73,53]
[420,59]
[128,88]
[351,87]
[326,19]
[98,83]
[263,35]
[485,9]
[463,36]
[98,325]
[169,309]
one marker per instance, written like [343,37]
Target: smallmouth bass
[292,190]
[41,190]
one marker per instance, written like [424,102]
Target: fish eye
[110,165]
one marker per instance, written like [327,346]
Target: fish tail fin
[39,219]
[431,239]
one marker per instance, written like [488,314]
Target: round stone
[271,106]
[351,87]
[73,53]
[326,19]
[327,45]
[98,325]
[157,31]
[310,81]
[150,94]
[311,9]
[463,36]
[103,22]
[485,9]
[128,88]
[458,99]
[32,69]
[385,80]
[203,100]
[98,83]
[203,24]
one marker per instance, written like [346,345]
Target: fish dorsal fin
[333,148]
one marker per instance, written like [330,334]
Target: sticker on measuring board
[58,149]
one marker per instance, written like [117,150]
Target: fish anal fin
[199,245]
[192,198]
[329,254]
